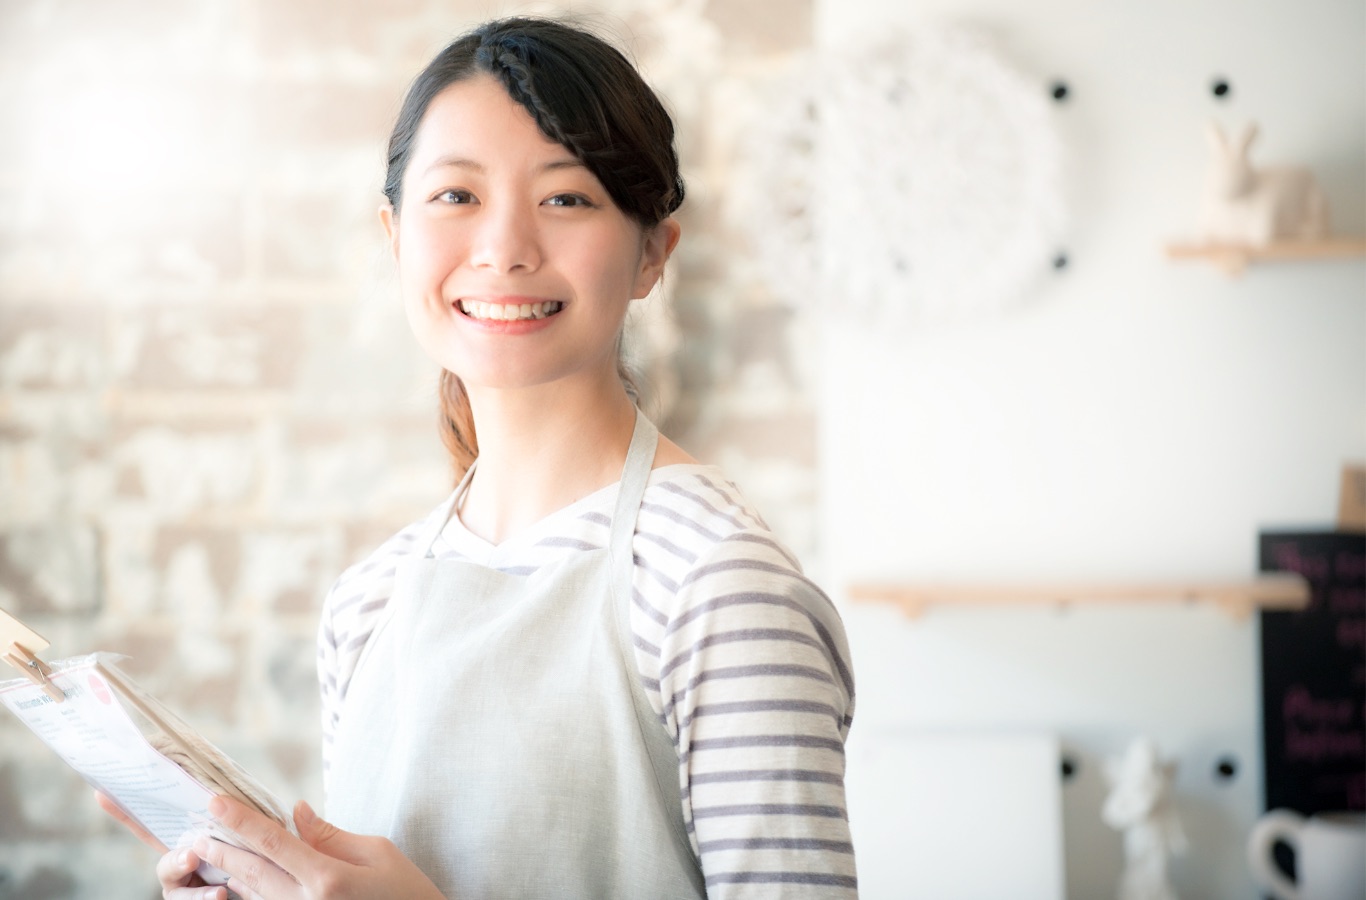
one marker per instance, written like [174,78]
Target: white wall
[1140,420]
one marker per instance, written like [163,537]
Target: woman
[592,671]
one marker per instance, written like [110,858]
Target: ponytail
[457,423]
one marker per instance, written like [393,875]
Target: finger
[264,836]
[325,837]
[218,892]
[249,874]
[176,869]
[241,892]
[127,821]
[312,830]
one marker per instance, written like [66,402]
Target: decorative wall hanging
[918,178]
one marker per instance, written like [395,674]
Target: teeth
[509,312]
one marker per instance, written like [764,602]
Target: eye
[454,197]
[569,200]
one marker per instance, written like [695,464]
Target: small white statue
[1140,806]
[1244,205]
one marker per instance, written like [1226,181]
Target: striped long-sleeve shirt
[741,656]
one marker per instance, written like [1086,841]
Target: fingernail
[182,858]
[217,807]
[304,813]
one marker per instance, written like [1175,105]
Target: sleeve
[758,693]
[350,612]
[327,683]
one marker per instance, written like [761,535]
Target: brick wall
[209,401]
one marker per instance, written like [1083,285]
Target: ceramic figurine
[1139,805]
[1245,205]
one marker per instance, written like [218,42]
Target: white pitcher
[1330,855]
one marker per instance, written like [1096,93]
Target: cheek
[426,259]
[614,259]
[426,255]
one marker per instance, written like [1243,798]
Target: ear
[389,219]
[660,242]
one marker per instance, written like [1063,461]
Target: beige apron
[496,729]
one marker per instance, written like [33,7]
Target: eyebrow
[463,162]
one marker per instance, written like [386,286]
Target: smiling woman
[586,101]
[592,671]
[496,218]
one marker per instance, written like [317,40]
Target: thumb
[325,837]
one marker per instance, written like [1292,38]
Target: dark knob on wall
[1060,92]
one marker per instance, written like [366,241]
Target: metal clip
[34,669]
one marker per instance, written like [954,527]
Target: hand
[323,862]
[175,869]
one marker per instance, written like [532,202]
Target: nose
[506,240]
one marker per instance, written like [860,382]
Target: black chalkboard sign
[1314,675]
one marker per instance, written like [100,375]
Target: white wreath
[917,179]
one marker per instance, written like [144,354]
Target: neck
[541,449]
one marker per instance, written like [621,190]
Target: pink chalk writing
[1323,744]
[1301,706]
[1289,558]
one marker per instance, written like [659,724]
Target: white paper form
[93,732]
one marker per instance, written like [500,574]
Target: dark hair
[584,95]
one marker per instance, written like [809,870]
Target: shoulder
[699,508]
[692,516]
[712,528]
[706,561]
[707,564]
[378,565]
[363,589]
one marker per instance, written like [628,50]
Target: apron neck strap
[427,538]
[635,475]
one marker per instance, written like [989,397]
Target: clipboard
[120,739]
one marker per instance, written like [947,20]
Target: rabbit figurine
[1249,206]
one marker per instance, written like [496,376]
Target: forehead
[476,119]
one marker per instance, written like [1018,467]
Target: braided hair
[582,93]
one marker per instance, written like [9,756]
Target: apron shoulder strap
[634,476]
[423,546]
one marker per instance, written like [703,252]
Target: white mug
[1330,855]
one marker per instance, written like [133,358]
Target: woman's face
[516,267]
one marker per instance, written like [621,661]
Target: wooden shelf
[1234,258]
[1238,599]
